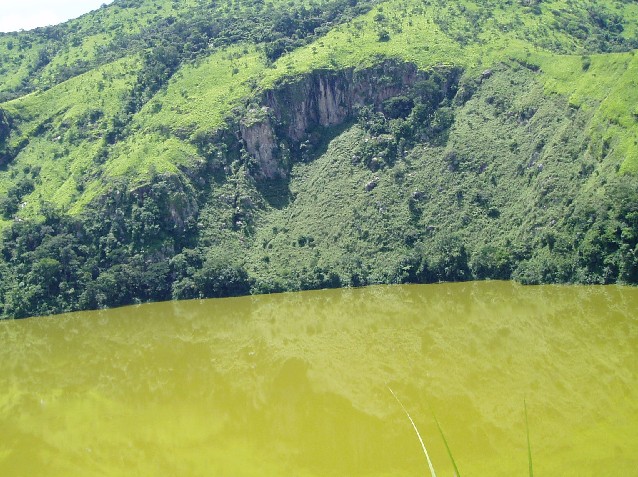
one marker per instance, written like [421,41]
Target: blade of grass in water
[425,451]
[449,452]
[529,446]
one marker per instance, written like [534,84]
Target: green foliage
[490,261]
[165,33]
[506,147]
[108,257]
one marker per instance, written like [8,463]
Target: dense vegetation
[489,140]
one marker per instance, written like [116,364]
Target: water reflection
[296,384]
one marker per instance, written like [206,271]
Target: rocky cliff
[293,111]
[258,134]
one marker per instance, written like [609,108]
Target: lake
[299,385]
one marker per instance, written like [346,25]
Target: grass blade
[425,451]
[449,452]
[529,446]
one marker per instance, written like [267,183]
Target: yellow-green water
[297,385]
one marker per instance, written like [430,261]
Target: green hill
[156,149]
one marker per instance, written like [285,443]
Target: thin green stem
[449,452]
[529,446]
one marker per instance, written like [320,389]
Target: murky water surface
[297,385]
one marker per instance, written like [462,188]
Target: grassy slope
[64,138]
[201,95]
[414,36]
[85,39]
[335,221]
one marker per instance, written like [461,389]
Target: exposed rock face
[323,98]
[328,98]
[260,141]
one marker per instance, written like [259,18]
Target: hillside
[156,149]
